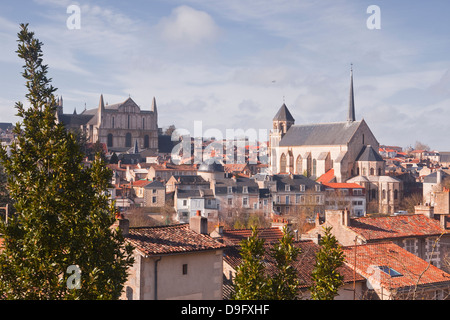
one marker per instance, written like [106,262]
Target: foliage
[284,283]
[253,281]
[63,215]
[250,282]
[325,276]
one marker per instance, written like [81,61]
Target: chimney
[317,220]
[346,217]
[198,223]
[438,177]
[122,223]
[443,221]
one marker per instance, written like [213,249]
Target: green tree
[250,282]
[325,276]
[63,216]
[284,284]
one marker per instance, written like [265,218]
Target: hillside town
[186,215]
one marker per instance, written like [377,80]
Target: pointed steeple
[101,109]
[136,149]
[351,105]
[154,105]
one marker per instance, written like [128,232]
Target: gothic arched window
[128,140]
[283,163]
[110,140]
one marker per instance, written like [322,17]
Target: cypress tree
[63,216]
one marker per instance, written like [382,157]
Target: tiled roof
[412,269]
[342,185]
[379,228]
[235,236]
[326,177]
[304,264]
[338,133]
[368,153]
[170,240]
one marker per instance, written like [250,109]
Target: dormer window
[230,190]
[302,187]
[244,189]
[287,187]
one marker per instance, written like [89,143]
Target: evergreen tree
[325,276]
[63,216]
[250,282]
[284,283]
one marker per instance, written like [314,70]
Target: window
[410,245]
[357,192]
[244,189]
[154,190]
[245,201]
[302,188]
[287,187]
[318,187]
[283,163]
[287,199]
[389,271]
[110,140]
[146,141]
[230,190]
[318,199]
[185,269]
[112,122]
[230,201]
[154,200]
[184,203]
[128,140]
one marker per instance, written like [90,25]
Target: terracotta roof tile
[411,268]
[170,239]
[378,228]
[235,236]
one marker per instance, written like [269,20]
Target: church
[349,148]
[120,126]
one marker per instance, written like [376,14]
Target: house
[154,194]
[179,262]
[186,182]
[422,235]
[166,170]
[304,265]
[190,201]
[431,184]
[295,194]
[235,195]
[349,196]
[393,273]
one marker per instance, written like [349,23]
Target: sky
[231,64]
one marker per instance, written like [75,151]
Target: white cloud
[188,26]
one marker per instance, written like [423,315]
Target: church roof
[369,154]
[283,114]
[335,133]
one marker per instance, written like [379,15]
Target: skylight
[390,271]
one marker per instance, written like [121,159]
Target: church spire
[351,105]
[101,110]
[154,105]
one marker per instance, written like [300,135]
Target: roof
[140,183]
[326,177]
[402,226]
[368,153]
[336,185]
[413,270]
[304,264]
[336,133]
[172,239]
[155,184]
[294,181]
[432,178]
[283,114]
[235,236]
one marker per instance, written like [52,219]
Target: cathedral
[349,148]
[120,126]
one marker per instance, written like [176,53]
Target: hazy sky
[232,63]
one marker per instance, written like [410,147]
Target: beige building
[177,262]
[314,149]
[120,126]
